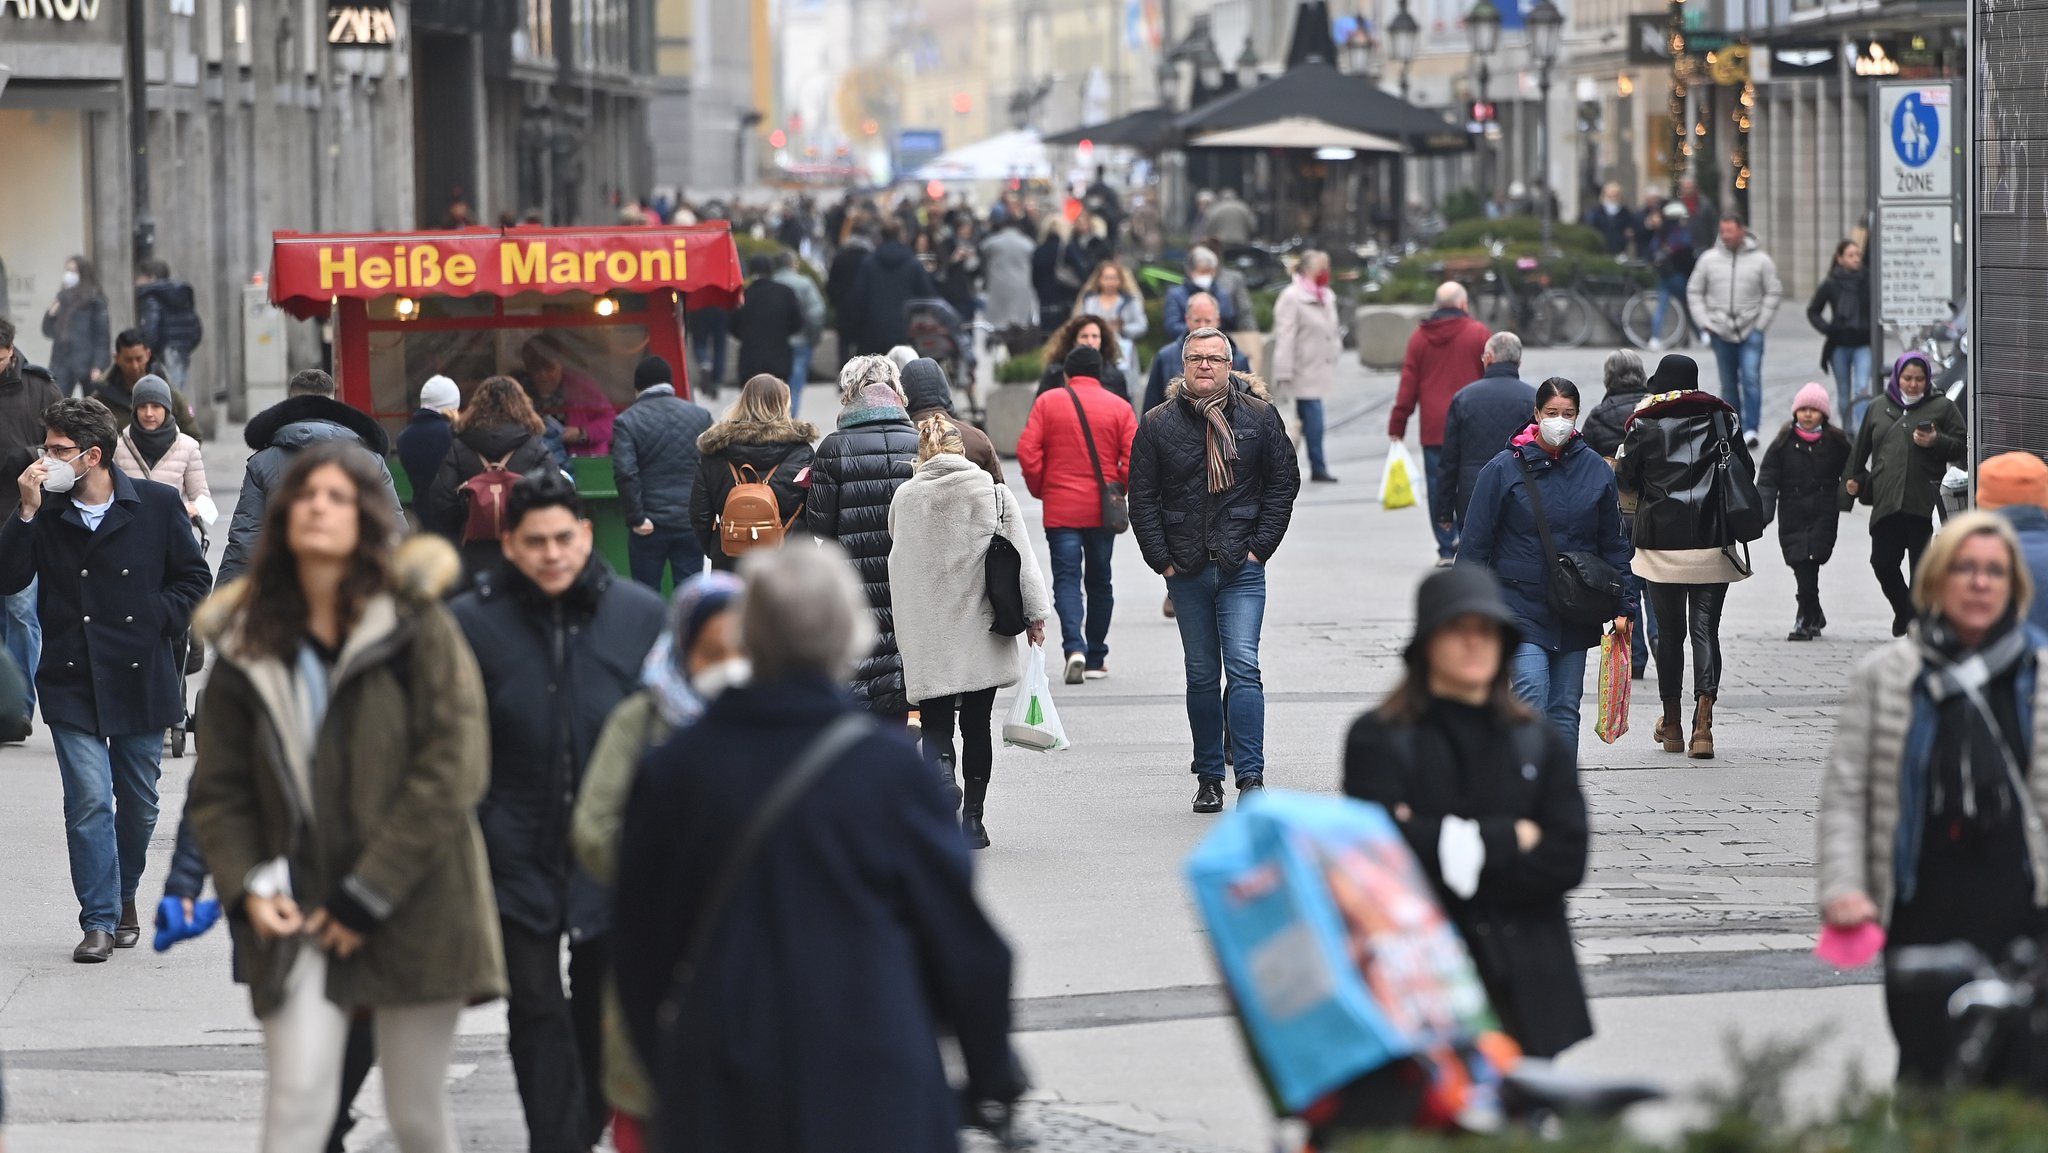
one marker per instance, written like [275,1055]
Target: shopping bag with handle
[1397,479]
[1034,723]
[1616,669]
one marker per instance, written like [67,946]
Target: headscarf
[666,673]
[1891,389]
[1222,440]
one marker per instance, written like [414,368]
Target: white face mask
[1555,430]
[60,476]
[729,674]
[69,280]
[1203,282]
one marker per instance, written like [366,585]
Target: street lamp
[1247,66]
[1546,30]
[1403,31]
[1168,75]
[1359,57]
[1482,26]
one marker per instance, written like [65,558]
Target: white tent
[1013,155]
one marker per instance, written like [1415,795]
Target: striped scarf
[1222,439]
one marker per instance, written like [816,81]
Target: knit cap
[1813,394]
[151,390]
[2012,478]
[1084,363]
[440,392]
[651,371]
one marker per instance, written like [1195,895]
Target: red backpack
[486,494]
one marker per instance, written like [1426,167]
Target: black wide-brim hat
[1461,590]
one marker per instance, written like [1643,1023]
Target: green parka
[1893,474]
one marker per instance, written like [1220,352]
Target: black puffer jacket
[1669,460]
[1798,483]
[856,475]
[1175,517]
[1607,424]
[168,315]
[446,509]
[779,453]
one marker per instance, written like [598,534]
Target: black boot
[947,762]
[1801,631]
[971,828]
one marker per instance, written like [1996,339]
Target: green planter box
[593,475]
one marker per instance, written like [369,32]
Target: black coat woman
[1487,795]
[81,343]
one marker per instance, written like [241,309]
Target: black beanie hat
[1461,590]
[1084,361]
[653,370]
[924,383]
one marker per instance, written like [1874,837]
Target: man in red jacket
[1443,357]
[1076,446]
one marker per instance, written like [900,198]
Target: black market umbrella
[1147,130]
[1317,91]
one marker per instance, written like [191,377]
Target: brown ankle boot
[1703,730]
[1670,730]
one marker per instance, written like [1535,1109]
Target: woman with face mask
[1909,438]
[81,340]
[697,658]
[1547,471]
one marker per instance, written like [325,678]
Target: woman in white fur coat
[940,524]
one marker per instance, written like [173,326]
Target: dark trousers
[1688,612]
[1899,537]
[664,550]
[555,1039]
[1807,574]
[976,712]
[1084,623]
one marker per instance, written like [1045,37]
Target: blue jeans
[1551,683]
[1742,376]
[1084,625]
[799,375]
[22,633]
[1669,289]
[1220,617]
[109,814]
[1851,367]
[1312,432]
[1446,538]
[664,548]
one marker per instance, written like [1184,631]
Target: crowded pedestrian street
[1694,926]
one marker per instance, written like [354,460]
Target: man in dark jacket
[1612,219]
[840,280]
[764,323]
[890,279]
[425,440]
[560,640]
[931,394]
[309,414]
[167,315]
[1445,352]
[1213,481]
[1477,426]
[654,460]
[133,360]
[812,1022]
[118,574]
[25,392]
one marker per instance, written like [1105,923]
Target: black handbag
[1583,588]
[1742,509]
[1116,503]
[1005,569]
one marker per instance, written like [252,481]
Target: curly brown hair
[273,614]
[497,402]
[1063,338]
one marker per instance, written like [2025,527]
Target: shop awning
[1318,91]
[1147,130]
[1016,155]
[1297,132]
[309,272]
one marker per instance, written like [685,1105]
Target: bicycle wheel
[1641,310]
[1565,317]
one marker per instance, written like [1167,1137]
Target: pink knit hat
[1813,394]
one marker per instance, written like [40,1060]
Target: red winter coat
[1443,357]
[1054,455]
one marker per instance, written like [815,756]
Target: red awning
[308,272]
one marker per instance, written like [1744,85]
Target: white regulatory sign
[1917,144]
[1916,246]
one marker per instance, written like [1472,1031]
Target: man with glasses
[25,392]
[1213,481]
[118,574]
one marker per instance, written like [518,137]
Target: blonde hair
[1931,577]
[936,434]
[764,399]
[1311,261]
[1125,286]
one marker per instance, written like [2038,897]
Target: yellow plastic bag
[1397,485]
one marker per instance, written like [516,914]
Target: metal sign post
[1916,252]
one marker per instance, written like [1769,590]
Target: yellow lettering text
[376,272]
[461,270]
[398,265]
[620,266]
[682,261]
[652,262]
[424,263]
[518,264]
[563,269]
[591,261]
[330,268]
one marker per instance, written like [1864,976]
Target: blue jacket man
[118,574]
[1482,417]
[425,440]
[654,460]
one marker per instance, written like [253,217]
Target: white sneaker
[1750,439]
[1077,668]
[1444,562]
[1656,345]
[1098,674]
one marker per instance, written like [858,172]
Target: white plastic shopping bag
[1397,480]
[1034,723]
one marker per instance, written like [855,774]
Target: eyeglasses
[49,452]
[1207,359]
[1971,570]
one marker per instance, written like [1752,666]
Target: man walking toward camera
[1213,482]
[1734,292]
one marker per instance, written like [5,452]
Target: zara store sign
[66,10]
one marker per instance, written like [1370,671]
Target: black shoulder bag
[810,765]
[1005,575]
[1583,588]
[1116,504]
[1742,507]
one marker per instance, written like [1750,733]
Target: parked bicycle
[1999,1028]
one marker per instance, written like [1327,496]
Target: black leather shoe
[1209,796]
[129,930]
[97,946]
[1246,786]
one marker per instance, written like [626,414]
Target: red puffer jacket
[1054,454]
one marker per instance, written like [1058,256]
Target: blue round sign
[1916,131]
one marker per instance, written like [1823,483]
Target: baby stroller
[934,329]
[190,654]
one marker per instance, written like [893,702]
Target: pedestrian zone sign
[1918,140]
